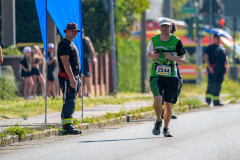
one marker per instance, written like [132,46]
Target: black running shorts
[169,85]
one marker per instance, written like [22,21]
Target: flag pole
[81,57]
[46,66]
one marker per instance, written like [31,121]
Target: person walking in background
[165,50]
[26,66]
[68,76]
[37,58]
[88,59]
[1,56]
[216,60]
[52,62]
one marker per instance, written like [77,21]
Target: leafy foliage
[8,89]
[27,25]
[2,135]
[16,130]
[177,9]
[129,70]
[96,24]
[127,12]
[96,20]
[11,51]
[191,103]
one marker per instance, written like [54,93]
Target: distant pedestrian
[26,67]
[165,50]
[88,59]
[216,60]
[69,70]
[37,59]
[52,62]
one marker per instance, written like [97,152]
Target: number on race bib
[164,70]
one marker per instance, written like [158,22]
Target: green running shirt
[161,66]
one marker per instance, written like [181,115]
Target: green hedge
[8,89]
[18,48]
[129,64]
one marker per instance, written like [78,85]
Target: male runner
[165,50]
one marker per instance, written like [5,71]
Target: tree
[27,25]
[96,20]
[127,12]
[177,9]
[96,24]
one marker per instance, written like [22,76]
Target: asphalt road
[210,134]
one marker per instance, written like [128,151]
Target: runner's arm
[151,54]
[179,59]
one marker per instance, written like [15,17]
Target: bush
[191,103]
[8,89]
[11,51]
[18,48]
[16,130]
[129,65]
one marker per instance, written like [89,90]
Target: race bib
[163,70]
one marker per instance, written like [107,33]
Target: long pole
[234,39]
[114,61]
[82,76]
[198,49]
[210,20]
[143,53]
[82,91]
[46,67]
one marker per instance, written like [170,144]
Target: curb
[10,140]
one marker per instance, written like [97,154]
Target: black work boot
[208,101]
[69,129]
[217,103]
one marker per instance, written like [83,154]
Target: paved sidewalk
[100,110]
[55,117]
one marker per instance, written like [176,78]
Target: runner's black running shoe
[157,127]
[166,132]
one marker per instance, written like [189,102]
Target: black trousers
[214,85]
[69,97]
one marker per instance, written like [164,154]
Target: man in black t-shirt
[69,70]
[216,60]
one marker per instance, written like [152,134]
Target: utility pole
[8,22]
[199,58]
[210,19]
[114,61]
[233,72]
[143,53]
[167,8]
